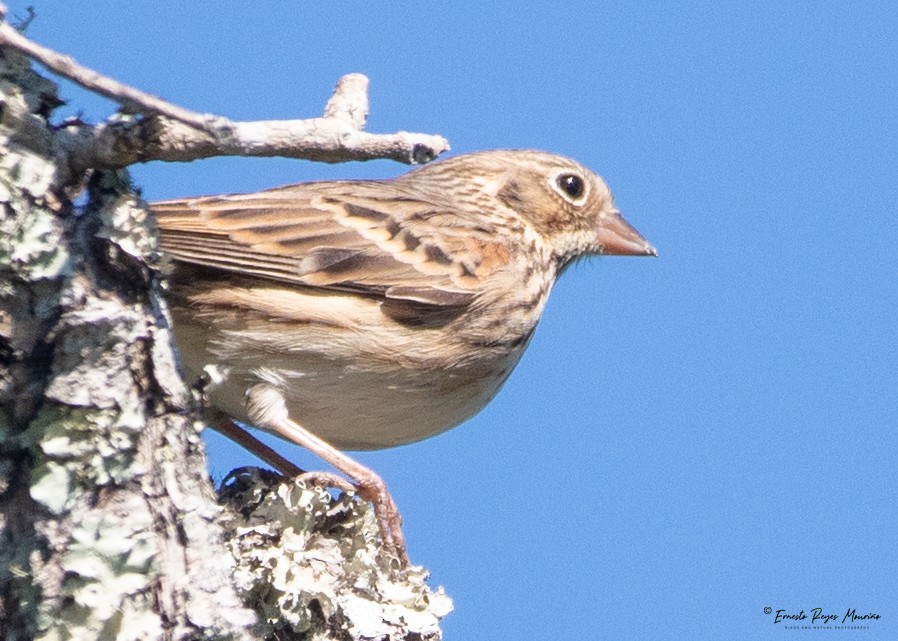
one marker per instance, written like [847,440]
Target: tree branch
[67,67]
[154,129]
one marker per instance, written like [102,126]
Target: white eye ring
[570,186]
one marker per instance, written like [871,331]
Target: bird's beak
[616,237]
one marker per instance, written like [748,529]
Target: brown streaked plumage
[378,313]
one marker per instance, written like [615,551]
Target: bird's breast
[359,408]
[351,376]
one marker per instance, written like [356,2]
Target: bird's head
[568,205]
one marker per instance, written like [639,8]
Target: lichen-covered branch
[312,565]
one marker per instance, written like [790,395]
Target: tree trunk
[108,523]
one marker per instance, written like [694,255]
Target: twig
[167,132]
[67,67]
[350,101]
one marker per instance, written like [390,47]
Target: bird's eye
[571,184]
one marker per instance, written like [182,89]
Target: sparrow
[365,314]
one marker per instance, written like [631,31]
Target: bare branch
[126,140]
[350,100]
[155,129]
[127,96]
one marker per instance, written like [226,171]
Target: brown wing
[364,236]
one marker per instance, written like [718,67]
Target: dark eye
[571,184]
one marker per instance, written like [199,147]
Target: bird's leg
[266,408]
[226,426]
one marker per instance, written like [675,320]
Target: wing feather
[370,237]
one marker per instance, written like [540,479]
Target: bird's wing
[373,238]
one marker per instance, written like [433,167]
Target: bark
[109,527]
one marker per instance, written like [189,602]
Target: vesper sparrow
[379,312]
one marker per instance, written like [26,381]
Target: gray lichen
[110,563]
[312,565]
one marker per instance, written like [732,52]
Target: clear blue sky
[689,439]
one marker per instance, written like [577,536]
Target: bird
[366,314]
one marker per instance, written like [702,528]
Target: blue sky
[689,439]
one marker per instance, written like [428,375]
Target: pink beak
[616,237]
